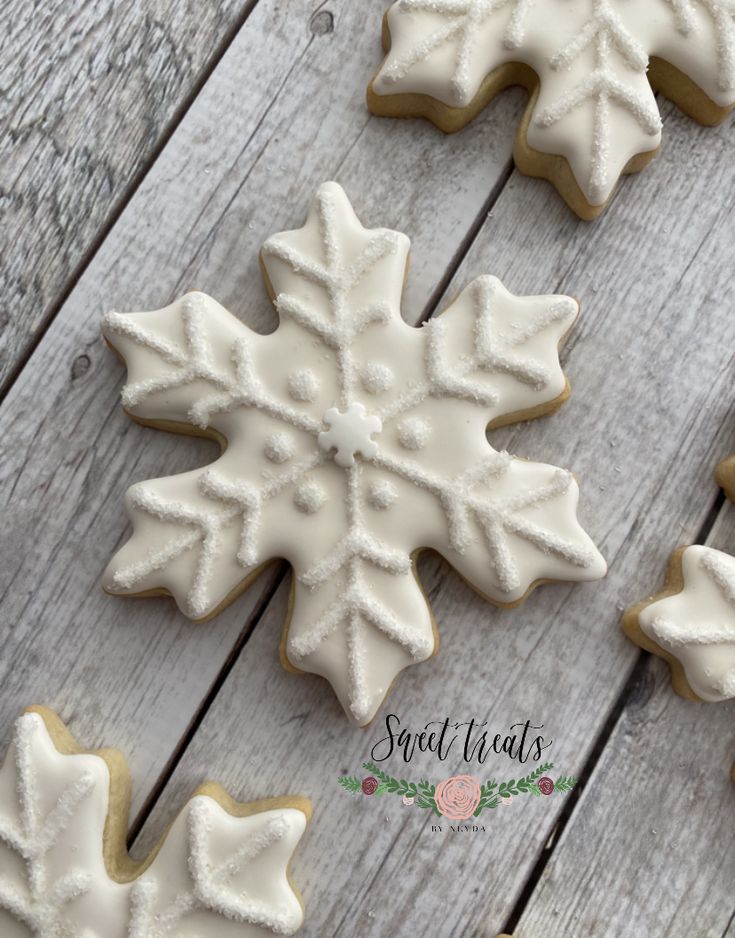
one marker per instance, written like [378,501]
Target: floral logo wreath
[459,797]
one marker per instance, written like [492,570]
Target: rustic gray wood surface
[88,94]
[657,791]
[647,847]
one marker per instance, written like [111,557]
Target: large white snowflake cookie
[691,623]
[220,871]
[591,67]
[353,440]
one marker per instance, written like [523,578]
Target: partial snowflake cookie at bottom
[591,68]
[691,623]
[221,870]
[353,441]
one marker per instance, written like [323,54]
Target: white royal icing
[697,625]
[390,455]
[215,874]
[595,106]
[303,385]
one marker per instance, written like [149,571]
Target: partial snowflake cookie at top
[691,623]
[221,869]
[353,440]
[591,67]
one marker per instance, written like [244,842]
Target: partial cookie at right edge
[725,476]
[691,623]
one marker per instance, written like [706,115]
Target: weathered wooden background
[148,147]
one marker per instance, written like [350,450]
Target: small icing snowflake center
[350,432]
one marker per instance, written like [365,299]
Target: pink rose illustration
[545,785]
[457,797]
[407,800]
[369,785]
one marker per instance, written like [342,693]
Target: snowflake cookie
[589,66]
[691,623]
[353,440]
[221,870]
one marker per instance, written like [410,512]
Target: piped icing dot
[303,385]
[279,447]
[381,494]
[309,497]
[376,377]
[414,433]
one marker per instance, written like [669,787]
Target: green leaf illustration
[423,792]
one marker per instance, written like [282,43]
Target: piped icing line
[224,862]
[691,623]
[353,441]
[590,59]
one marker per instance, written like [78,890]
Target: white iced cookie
[221,869]
[691,623]
[386,454]
[589,64]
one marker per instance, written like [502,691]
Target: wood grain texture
[661,794]
[269,126]
[88,91]
[649,416]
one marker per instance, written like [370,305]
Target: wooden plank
[648,418]
[661,794]
[89,92]
[244,163]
